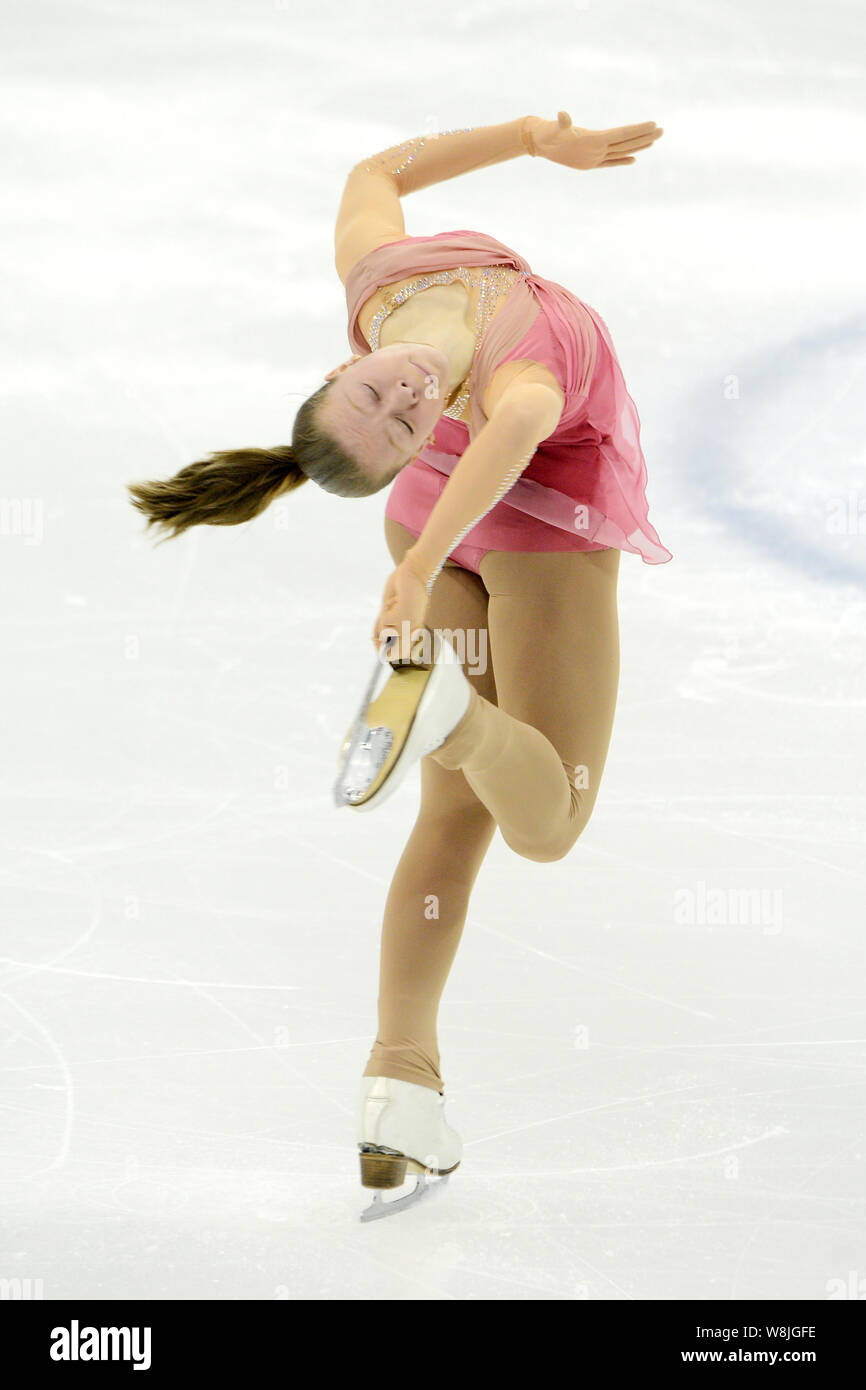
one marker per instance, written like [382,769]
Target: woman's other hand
[564,143]
[404,601]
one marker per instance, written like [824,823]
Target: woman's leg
[535,758]
[429,895]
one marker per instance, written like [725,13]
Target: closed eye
[378,397]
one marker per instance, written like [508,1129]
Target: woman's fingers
[625,146]
[630,132]
[609,163]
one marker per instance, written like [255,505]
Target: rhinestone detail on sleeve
[398,157]
[510,478]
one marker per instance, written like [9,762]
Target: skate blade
[383,729]
[359,729]
[379,1208]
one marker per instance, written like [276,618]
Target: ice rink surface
[655,1048]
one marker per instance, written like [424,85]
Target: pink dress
[584,488]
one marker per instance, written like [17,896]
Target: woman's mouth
[429,370]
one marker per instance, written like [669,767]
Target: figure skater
[494,401]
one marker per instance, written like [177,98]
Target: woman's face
[382,407]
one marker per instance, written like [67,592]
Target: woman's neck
[443,324]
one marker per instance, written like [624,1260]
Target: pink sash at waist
[557,509]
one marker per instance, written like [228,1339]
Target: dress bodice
[492,284]
[593,459]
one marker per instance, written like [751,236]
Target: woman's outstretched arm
[370,211]
[371,214]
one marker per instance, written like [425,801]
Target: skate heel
[382,1170]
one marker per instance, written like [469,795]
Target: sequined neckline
[490,279]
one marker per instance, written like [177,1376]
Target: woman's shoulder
[512,376]
[535,356]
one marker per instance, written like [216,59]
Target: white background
[651,1107]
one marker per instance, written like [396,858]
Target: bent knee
[545,851]
[546,847]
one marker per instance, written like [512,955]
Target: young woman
[496,400]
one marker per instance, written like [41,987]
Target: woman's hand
[404,601]
[564,143]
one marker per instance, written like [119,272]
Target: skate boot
[402,1128]
[418,708]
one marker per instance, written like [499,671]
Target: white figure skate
[418,708]
[402,1127]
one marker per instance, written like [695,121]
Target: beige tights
[527,757]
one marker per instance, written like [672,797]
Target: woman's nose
[407,390]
